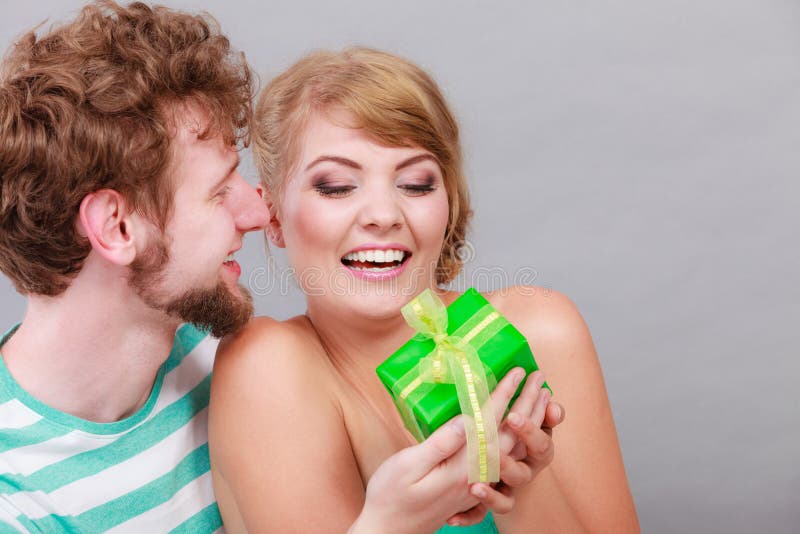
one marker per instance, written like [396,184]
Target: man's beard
[217,309]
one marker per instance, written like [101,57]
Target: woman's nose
[381,210]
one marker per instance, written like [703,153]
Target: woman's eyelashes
[329,187]
[419,188]
[413,190]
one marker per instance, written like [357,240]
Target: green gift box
[471,318]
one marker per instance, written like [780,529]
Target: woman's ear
[273,230]
[103,218]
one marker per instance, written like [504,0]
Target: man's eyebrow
[227,174]
[415,159]
[336,159]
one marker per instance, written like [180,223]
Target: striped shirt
[146,473]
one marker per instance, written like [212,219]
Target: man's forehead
[191,123]
[189,118]
[193,116]
[199,156]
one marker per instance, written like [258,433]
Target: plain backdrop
[641,157]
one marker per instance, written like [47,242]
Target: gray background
[641,157]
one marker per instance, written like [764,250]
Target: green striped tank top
[487,526]
[146,473]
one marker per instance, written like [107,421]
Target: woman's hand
[419,488]
[525,449]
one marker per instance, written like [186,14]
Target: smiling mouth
[375,261]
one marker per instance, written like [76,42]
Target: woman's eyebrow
[414,159]
[350,163]
[336,159]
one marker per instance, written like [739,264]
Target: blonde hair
[391,99]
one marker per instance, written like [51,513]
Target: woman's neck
[360,341]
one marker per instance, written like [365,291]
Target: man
[120,211]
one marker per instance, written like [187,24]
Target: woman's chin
[376,306]
[351,297]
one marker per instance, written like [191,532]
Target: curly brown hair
[89,105]
[390,98]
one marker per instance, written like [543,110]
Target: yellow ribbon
[454,361]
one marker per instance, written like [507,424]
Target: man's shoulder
[192,346]
[190,336]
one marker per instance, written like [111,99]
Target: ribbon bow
[453,361]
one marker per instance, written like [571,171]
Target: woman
[361,167]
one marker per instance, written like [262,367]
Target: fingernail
[514,419]
[519,374]
[453,522]
[545,396]
[479,492]
[457,427]
[539,379]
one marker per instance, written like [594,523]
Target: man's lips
[232,264]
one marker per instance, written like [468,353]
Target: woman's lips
[377,264]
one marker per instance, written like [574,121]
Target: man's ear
[273,230]
[104,219]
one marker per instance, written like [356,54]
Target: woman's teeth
[372,269]
[374,260]
[228,258]
[377,256]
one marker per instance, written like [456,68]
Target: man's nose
[251,210]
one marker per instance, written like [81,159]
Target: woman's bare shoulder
[558,337]
[541,314]
[275,414]
[271,344]
[588,465]
[282,358]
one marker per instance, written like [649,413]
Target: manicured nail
[457,427]
[519,374]
[514,419]
[539,379]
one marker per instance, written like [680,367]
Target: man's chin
[220,310]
